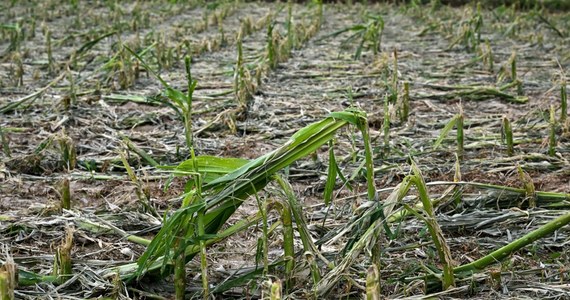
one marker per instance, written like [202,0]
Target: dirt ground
[66,81]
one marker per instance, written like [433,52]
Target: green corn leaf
[445,131]
[176,96]
[148,68]
[162,100]
[210,167]
[87,46]
[331,177]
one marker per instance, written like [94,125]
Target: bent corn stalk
[225,194]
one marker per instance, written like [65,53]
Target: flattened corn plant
[365,35]
[227,183]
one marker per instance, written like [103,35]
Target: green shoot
[141,191]
[456,121]
[386,127]
[404,107]
[243,87]
[563,103]
[220,21]
[263,242]
[288,242]
[319,18]
[433,227]
[488,58]
[51,68]
[509,70]
[187,109]
[460,136]
[394,85]
[369,33]
[17,72]
[177,100]
[507,135]
[552,132]
[290,28]
[332,175]
[271,51]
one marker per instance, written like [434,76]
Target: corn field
[284,150]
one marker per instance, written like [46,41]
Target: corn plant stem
[49,52]
[180,259]
[369,162]
[446,129]
[505,251]
[13,105]
[290,32]
[129,237]
[405,111]
[297,212]
[563,103]
[198,182]
[140,152]
[203,256]
[386,127]
[238,67]
[460,138]
[188,111]
[433,227]
[373,286]
[528,185]
[62,263]
[272,54]
[180,276]
[139,189]
[264,246]
[508,135]
[5,143]
[8,279]
[324,285]
[477,93]
[288,243]
[552,133]
[5,292]
[395,76]
[65,194]
[540,194]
